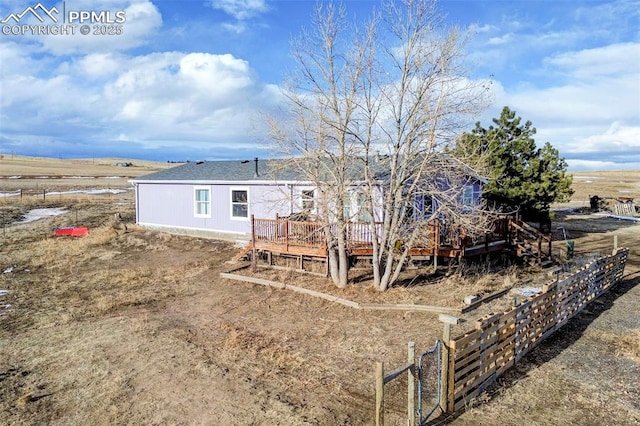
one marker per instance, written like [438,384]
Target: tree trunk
[338,258]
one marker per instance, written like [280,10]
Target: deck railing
[359,234]
[292,233]
[288,232]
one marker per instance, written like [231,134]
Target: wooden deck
[282,236]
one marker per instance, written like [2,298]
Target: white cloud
[98,65]
[479,29]
[617,138]
[196,100]
[611,60]
[506,38]
[240,9]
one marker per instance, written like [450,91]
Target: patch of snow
[111,177]
[37,214]
[615,216]
[43,177]
[586,177]
[9,194]
[8,270]
[105,191]
[528,291]
[623,190]
[3,292]
[78,177]
[7,306]
[88,191]
[588,181]
[10,177]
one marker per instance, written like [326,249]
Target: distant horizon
[170,161]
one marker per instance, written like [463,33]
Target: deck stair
[245,251]
[529,244]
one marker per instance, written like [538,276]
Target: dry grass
[621,344]
[16,165]
[138,327]
[607,184]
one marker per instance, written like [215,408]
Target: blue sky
[189,79]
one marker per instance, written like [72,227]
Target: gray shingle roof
[274,169]
[226,170]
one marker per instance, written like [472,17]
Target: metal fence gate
[429,369]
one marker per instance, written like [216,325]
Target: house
[218,198]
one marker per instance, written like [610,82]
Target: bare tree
[372,107]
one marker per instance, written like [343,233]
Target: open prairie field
[608,185]
[33,175]
[132,326]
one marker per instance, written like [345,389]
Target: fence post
[615,243]
[411,384]
[447,320]
[379,394]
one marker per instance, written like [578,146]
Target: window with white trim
[202,202]
[239,204]
[308,197]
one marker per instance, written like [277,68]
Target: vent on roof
[255,160]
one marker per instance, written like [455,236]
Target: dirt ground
[131,326]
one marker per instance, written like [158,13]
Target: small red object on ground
[72,231]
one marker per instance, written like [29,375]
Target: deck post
[436,246]
[253,244]
[539,249]
[286,234]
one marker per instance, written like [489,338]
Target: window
[202,202]
[364,214]
[467,195]
[239,203]
[308,199]
[423,207]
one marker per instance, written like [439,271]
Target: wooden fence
[498,341]
[473,361]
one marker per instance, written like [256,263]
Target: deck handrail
[311,234]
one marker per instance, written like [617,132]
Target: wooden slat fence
[498,341]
